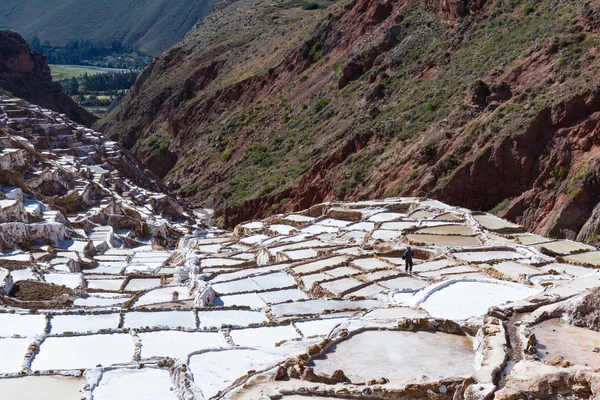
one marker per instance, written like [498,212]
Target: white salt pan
[13,352]
[216,371]
[231,317]
[282,229]
[369,355]
[22,325]
[318,265]
[317,229]
[334,222]
[254,239]
[176,344]
[241,285]
[464,299]
[76,352]
[172,319]
[370,263]
[318,327]
[253,225]
[162,295]
[362,226]
[341,285]
[382,217]
[142,284]
[479,256]
[105,284]
[266,336]
[135,384]
[219,262]
[281,296]
[251,300]
[99,301]
[72,281]
[83,323]
[54,387]
[274,280]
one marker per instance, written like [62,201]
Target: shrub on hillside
[311,5]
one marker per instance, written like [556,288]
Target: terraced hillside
[485,104]
[150,26]
[112,289]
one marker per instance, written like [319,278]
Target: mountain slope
[151,26]
[25,73]
[484,104]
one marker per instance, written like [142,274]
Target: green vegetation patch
[321,104]
[63,72]
[312,50]
[501,206]
[157,140]
[311,5]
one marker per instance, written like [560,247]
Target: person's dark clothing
[408,258]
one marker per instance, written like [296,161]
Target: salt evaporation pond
[105,284]
[465,299]
[100,301]
[12,351]
[574,344]
[42,387]
[217,370]
[443,240]
[318,327]
[149,384]
[400,356]
[283,296]
[162,295]
[22,324]
[264,336]
[591,258]
[84,323]
[217,318]
[448,230]
[76,352]
[251,300]
[160,318]
[142,284]
[176,344]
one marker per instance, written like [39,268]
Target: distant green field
[60,72]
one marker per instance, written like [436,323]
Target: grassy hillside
[151,26]
[489,104]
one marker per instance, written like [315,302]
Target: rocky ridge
[25,74]
[501,110]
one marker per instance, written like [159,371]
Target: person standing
[408,259]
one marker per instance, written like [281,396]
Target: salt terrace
[110,289]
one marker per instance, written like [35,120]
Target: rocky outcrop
[585,310]
[25,74]
[532,381]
